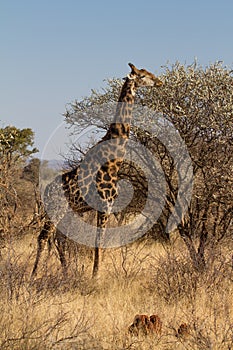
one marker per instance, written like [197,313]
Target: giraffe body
[93,184]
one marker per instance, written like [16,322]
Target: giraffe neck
[128,91]
[120,127]
[125,103]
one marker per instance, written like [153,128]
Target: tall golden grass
[76,312]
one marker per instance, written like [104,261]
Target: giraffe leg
[60,245]
[43,239]
[96,262]
[102,219]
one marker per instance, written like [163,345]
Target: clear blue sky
[53,52]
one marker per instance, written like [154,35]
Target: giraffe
[84,184]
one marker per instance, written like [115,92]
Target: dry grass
[53,312]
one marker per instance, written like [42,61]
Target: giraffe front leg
[102,219]
[96,262]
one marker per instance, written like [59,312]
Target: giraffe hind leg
[60,246]
[43,239]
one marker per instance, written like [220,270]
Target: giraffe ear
[131,76]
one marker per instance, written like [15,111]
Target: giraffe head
[143,78]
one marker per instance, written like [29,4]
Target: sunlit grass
[76,312]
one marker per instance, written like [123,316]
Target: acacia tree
[197,102]
[16,145]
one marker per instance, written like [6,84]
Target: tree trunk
[197,255]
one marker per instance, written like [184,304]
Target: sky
[54,52]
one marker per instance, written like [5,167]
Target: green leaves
[17,142]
